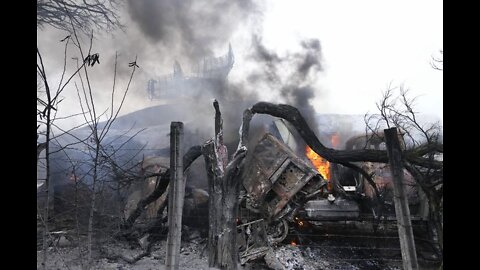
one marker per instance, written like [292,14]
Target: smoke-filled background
[158,33]
[321,57]
[329,58]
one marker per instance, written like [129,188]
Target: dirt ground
[110,257]
[193,257]
[308,250]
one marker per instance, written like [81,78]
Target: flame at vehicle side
[322,165]
[335,140]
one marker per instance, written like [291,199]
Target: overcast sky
[365,46]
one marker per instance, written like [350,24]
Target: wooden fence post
[176,194]
[402,211]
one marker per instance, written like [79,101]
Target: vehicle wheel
[277,231]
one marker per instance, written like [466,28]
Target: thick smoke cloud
[291,76]
[160,32]
[157,33]
[194,26]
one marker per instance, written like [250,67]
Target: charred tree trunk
[216,158]
[192,154]
[433,197]
[156,228]
[224,188]
[176,196]
[142,204]
[214,201]
[435,221]
[227,241]
[404,223]
[344,157]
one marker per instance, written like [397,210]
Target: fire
[322,165]
[293,243]
[335,140]
[299,222]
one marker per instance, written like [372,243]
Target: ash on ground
[302,250]
[114,256]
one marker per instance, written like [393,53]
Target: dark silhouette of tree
[84,15]
[425,139]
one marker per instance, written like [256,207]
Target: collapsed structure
[210,73]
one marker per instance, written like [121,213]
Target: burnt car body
[275,175]
[282,190]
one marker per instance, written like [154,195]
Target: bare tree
[97,151]
[102,154]
[224,188]
[397,110]
[47,106]
[85,15]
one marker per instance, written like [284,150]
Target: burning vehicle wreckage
[283,192]
[284,185]
[278,188]
[284,188]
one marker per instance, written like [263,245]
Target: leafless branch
[114,117]
[437,62]
[85,15]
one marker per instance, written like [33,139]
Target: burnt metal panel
[288,183]
[340,209]
[274,174]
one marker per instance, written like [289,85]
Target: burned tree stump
[163,180]
[159,190]
[214,201]
[224,188]
[227,240]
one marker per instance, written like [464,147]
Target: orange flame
[300,222]
[335,140]
[293,243]
[322,165]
